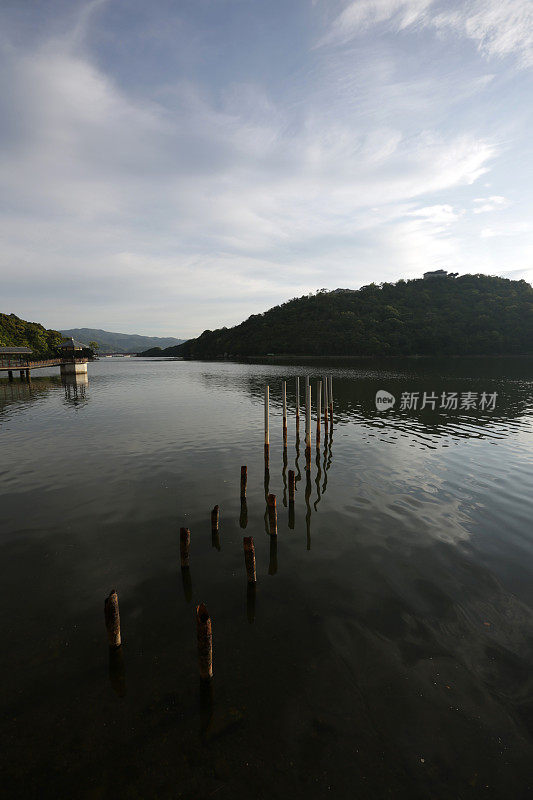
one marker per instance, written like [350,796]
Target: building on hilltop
[437,273]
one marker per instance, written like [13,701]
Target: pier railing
[14,364]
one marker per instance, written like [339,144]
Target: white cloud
[499,28]
[360,15]
[440,216]
[493,203]
[509,229]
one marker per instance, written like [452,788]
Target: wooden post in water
[10,375]
[112,620]
[272,515]
[297,405]
[244,481]
[318,411]
[214,520]
[291,486]
[284,397]
[267,432]
[205,642]
[308,426]
[330,397]
[249,558]
[185,543]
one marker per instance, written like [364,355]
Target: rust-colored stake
[291,486]
[205,642]
[112,620]
[244,481]
[214,520]
[185,543]
[249,558]
[272,515]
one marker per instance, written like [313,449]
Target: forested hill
[19,333]
[471,314]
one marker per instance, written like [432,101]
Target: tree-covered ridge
[19,333]
[468,315]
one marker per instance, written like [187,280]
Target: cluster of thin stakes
[203,620]
[325,391]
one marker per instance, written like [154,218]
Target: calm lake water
[388,650]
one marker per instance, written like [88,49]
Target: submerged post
[284,397]
[267,432]
[249,558]
[185,541]
[214,520]
[244,481]
[112,620]
[291,486]
[330,394]
[297,404]
[205,642]
[325,406]
[272,515]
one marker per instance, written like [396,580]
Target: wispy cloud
[509,229]
[360,15]
[482,205]
[499,28]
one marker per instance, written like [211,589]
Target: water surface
[388,649]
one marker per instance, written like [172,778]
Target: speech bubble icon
[384,400]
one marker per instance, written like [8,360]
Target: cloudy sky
[175,165]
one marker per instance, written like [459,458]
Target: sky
[177,165]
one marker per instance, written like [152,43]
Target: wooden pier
[18,359]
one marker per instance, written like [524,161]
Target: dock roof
[72,344]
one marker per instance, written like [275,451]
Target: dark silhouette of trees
[467,315]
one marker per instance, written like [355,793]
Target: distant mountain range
[120,342]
